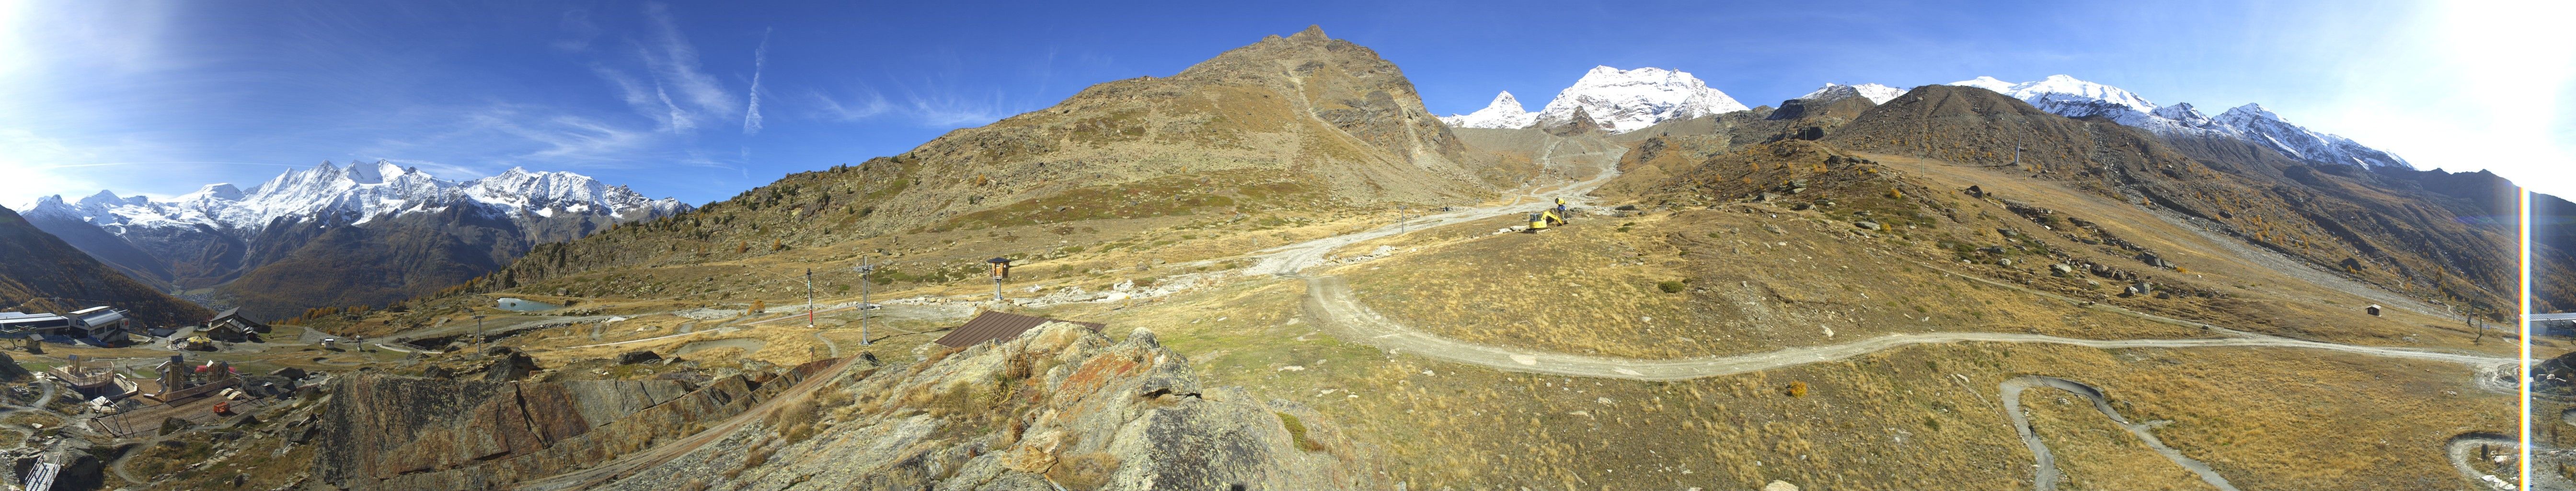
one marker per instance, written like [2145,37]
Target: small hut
[2373,310]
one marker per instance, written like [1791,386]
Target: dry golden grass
[2094,453]
[25,418]
[1591,289]
[2267,418]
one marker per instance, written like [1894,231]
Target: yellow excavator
[1551,217]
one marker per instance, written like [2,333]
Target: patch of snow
[1877,94]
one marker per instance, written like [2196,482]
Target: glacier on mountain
[2067,96]
[1505,113]
[359,192]
[1628,100]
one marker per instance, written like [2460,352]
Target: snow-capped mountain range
[1628,100]
[2071,97]
[1616,100]
[360,192]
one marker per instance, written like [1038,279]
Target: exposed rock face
[393,432]
[512,367]
[1060,406]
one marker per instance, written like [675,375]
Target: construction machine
[1551,217]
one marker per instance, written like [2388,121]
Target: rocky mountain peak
[1313,32]
[106,198]
[1505,112]
[2248,113]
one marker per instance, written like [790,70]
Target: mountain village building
[102,326]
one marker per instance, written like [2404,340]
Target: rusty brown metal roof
[992,325]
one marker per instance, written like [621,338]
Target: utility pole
[866,266]
[809,298]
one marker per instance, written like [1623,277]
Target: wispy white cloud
[867,103]
[674,62]
[632,91]
[563,137]
[943,100]
[679,119]
[759,62]
[949,109]
[932,103]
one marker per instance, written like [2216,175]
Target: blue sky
[701,100]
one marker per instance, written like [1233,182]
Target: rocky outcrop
[393,432]
[1060,407]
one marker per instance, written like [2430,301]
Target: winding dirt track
[1330,299]
[2046,479]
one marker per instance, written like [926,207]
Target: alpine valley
[1277,269]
